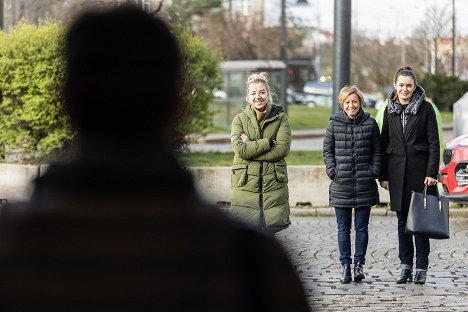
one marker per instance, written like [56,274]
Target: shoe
[420,277]
[358,272]
[346,276]
[405,276]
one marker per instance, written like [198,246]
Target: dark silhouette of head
[123,69]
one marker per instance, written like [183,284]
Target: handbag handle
[437,195]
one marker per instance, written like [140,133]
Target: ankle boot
[346,276]
[358,272]
[420,277]
[405,276]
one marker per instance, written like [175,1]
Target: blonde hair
[347,91]
[259,77]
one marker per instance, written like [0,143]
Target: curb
[382,212]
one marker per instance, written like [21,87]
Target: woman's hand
[244,138]
[385,184]
[430,181]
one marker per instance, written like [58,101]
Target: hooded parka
[259,178]
[352,156]
[411,155]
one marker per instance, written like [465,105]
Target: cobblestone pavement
[312,245]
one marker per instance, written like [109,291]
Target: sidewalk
[295,134]
[312,246]
[375,211]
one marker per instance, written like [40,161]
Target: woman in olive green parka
[261,138]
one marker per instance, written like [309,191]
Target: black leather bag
[428,215]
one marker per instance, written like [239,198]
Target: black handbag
[428,215]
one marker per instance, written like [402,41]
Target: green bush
[201,76]
[444,90]
[32,120]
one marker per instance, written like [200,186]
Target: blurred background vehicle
[453,174]
[294,97]
[319,92]
[370,100]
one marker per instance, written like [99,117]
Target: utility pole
[284,56]
[454,38]
[1,15]
[341,48]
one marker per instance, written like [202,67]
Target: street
[312,245]
[301,140]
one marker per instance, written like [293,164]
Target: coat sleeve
[246,150]
[283,143]
[385,141]
[329,151]
[376,151]
[434,143]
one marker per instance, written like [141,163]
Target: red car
[453,174]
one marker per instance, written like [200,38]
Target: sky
[377,18]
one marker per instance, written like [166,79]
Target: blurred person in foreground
[352,156]
[120,228]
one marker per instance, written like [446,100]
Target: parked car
[320,93]
[370,100]
[453,174]
[294,97]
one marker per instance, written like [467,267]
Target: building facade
[31,11]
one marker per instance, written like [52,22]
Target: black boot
[405,276]
[358,272]
[420,277]
[346,277]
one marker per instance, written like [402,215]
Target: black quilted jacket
[351,151]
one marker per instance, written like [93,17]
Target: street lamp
[341,48]
[1,14]
[284,56]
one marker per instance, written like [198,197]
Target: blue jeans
[361,225]
[406,247]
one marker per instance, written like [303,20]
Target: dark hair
[406,71]
[123,70]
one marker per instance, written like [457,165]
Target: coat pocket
[281,173]
[239,175]
[389,150]
[423,148]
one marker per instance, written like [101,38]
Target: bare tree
[436,25]
[373,62]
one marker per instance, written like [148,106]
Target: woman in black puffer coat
[351,151]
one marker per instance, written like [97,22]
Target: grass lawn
[303,117]
[225,159]
[447,116]
[300,117]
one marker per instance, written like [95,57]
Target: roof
[244,65]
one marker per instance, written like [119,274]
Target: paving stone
[311,243]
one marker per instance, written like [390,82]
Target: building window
[241,6]
[144,4]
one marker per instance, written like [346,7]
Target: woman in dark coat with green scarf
[261,138]
[411,150]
